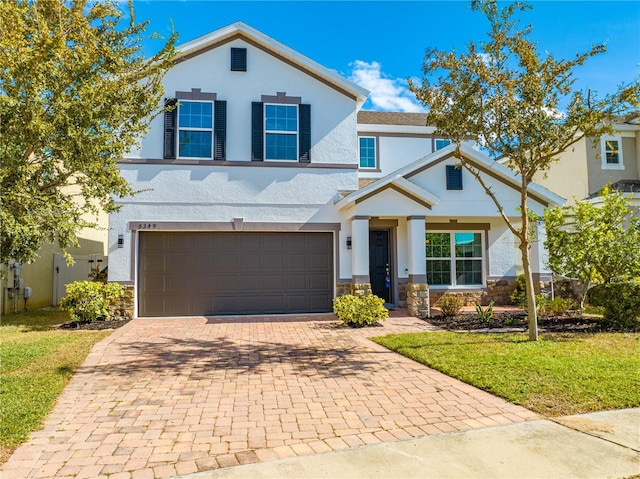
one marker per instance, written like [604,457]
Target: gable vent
[238,59]
[454,178]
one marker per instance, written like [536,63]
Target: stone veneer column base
[123,309]
[418,299]
[361,289]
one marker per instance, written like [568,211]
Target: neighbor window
[195,129]
[441,143]
[281,132]
[612,153]
[454,259]
[367,152]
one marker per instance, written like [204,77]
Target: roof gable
[478,159]
[280,51]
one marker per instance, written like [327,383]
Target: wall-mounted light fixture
[120,241]
[348,242]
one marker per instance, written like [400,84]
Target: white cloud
[387,94]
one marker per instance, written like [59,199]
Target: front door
[379,264]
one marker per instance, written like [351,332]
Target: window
[281,132]
[441,143]
[612,153]
[454,259]
[195,129]
[454,177]
[238,59]
[367,152]
[280,129]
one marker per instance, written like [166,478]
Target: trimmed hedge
[89,301]
[621,302]
[360,311]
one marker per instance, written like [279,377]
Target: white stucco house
[268,190]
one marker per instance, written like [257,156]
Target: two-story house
[590,164]
[268,190]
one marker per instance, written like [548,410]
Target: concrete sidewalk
[597,445]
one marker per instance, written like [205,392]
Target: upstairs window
[195,129]
[454,259]
[441,143]
[281,132]
[367,152]
[612,153]
[280,129]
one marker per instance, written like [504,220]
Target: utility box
[27,292]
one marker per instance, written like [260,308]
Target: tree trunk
[532,313]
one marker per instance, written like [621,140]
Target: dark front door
[379,265]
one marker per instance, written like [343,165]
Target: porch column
[417,288]
[360,281]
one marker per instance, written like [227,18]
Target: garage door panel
[235,273]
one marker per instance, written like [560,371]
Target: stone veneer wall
[123,309]
[361,289]
[342,289]
[402,292]
[497,290]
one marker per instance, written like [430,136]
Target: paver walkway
[162,397]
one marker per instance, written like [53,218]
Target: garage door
[184,274]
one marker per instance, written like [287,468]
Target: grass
[558,375]
[36,362]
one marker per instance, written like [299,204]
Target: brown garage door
[184,274]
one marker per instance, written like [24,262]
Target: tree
[76,93]
[518,105]
[594,242]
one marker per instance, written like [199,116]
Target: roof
[400,177]
[623,186]
[260,40]
[369,117]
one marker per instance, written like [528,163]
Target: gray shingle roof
[367,117]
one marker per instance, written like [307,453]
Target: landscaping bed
[95,325]
[517,321]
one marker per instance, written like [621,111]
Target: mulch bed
[517,320]
[95,325]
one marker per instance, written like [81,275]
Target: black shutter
[257,133]
[170,128]
[220,130]
[454,177]
[304,125]
[238,59]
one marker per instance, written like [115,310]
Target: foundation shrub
[485,314]
[450,304]
[358,311]
[88,301]
[557,306]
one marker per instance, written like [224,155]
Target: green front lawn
[558,375]
[36,362]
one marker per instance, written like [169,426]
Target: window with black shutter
[238,59]
[454,177]
[220,130]
[257,131]
[170,129]
[304,113]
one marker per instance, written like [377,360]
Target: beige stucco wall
[568,177]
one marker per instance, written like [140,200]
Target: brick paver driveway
[162,397]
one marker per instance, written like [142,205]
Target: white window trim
[375,154]
[603,153]
[179,128]
[280,132]
[452,259]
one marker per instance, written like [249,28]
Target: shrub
[621,302]
[450,304]
[485,314]
[519,294]
[360,311]
[556,306]
[89,301]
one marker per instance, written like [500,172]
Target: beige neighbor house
[589,165]
[47,277]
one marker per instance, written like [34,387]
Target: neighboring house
[267,190]
[49,274]
[589,165]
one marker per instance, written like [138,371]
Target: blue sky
[379,44]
